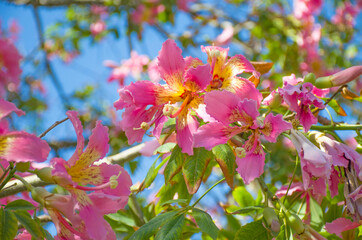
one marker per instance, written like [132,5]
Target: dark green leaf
[8,225]
[185,201]
[194,168]
[204,221]
[172,230]
[19,204]
[225,157]
[252,231]
[174,165]
[28,223]
[152,174]
[150,228]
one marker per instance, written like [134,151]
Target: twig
[16,186]
[52,126]
[48,65]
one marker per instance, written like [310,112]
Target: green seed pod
[22,166]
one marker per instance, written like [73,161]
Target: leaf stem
[9,176]
[291,181]
[338,127]
[208,190]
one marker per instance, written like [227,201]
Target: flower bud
[339,78]
[296,223]
[45,174]
[310,77]
[273,100]
[272,219]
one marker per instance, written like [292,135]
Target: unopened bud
[310,77]
[272,219]
[240,152]
[168,109]
[296,223]
[39,194]
[45,174]
[339,78]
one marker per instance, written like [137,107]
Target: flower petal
[243,88]
[213,134]
[273,126]
[23,147]
[251,166]
[220,104]
[77,124]
[7,107]
[197,79]
[216,57]
[340,225]
[171,64]
[237,65]
[185,129]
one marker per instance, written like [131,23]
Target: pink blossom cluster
[345,14]
[9,60]
[194,91]
[95,189]
[134,67]
[98,26]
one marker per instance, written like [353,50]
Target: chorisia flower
[228,109]
[62,210]
[305,8]
[346,14]
[131,67]
[97,27]
[111,183]
[19,146]
[299,98]
[225,71]
[341,225]
[315,164]
[226,36]
[9,66]
[148,103]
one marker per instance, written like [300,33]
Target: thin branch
[52,126]
[16,186]
[48,65]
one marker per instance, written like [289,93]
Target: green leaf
[204,221]
[337,108]
[165,148]
[29,224]
[225,157]
[172,230]
[334,212]
[185,201]
[147,230]
[252,231]
[174,165]
[246,210]
[317,215]
[8,225]
[194,168]
[243,197]
[152,174]
[19,205]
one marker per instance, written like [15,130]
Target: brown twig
[52,126]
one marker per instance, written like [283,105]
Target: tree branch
[16,186]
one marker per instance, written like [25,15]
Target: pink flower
[305,8]
[186,79]
[299,98]
[226,36]
[227,108]
[340,225]
[19,146]
[346,14]
[131,67]
[111,183]
[225,73]
[9,66]
[315,164]
[339,78]
[98,27]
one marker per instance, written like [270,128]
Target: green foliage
[204,221]
[172,229]
[252,231]
[8,225]
[225,157]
